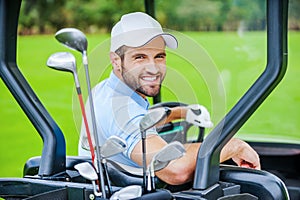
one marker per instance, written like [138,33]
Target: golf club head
[152,118]
[113,146]
[129,192]
[87,171]
[63,61]
[172,151]
[72,38]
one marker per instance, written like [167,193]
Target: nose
[151,67]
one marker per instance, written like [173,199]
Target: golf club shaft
[150,178]
[98,154]
[95,189]
[87,129]
[144,164]
[104,162]
[152,175]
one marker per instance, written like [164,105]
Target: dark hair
[121,52]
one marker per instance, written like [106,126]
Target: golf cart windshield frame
[54,151]
[209,153]
[53,159]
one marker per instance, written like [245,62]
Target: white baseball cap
[137,29]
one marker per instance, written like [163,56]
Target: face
[144,68]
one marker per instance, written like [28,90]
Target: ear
[115,61]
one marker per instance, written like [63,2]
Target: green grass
[239,60]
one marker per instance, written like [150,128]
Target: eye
[162,55]
[139,57]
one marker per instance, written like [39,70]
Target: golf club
[65,61]
[75,39]
[88,172]
[152,118]
[111,147]
[129,192]
[160,160]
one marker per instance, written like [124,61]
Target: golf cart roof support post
[54,154]
[150,7]
[150,10]
[207,172]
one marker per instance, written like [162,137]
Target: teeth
[149,78]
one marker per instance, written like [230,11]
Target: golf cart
[57,176]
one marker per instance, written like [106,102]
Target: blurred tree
[198,15]
[43,16]
[294,14]
[224,11]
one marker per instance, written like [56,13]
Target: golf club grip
[86,126]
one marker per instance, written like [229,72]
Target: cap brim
[170,40]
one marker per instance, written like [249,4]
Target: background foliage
[193,15]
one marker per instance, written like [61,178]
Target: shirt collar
[120,87]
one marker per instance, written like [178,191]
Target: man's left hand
[199,116]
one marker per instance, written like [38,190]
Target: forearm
[176,113]
[178,171]
[241,153]
[181,170]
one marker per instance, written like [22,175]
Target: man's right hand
[241,153]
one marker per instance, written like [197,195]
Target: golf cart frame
[55,177]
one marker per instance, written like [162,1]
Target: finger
[253,159]
[246,164]
[249,155]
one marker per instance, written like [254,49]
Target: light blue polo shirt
[118,111]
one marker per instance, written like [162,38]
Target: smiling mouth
[150,78]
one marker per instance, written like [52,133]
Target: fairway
[237,59]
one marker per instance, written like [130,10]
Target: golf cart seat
[120,175]
[123,175]
[31,167]
[259,183]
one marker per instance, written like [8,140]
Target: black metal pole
[150,7]
[207,172]
[53,158]
[150,10]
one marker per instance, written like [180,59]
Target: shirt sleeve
[128,118]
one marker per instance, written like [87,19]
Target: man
[138,58]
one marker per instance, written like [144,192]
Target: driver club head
[72,38]
[113,146]
[63,61]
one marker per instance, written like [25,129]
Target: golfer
[138,58]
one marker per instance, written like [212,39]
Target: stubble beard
[134,84]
